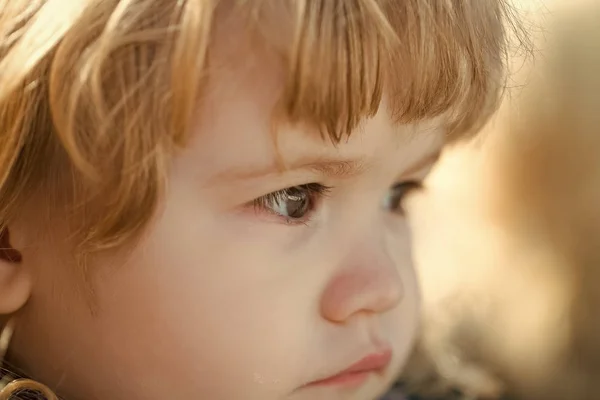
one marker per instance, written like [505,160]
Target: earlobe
[15,280]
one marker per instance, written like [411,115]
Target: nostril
[7,252]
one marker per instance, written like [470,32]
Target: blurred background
[507,236]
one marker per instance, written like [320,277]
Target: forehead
[236,123]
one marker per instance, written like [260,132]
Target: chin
[507,239]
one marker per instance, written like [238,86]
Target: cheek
[213,303]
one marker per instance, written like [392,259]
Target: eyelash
[311,192]
[407,187]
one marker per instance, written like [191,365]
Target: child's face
[226,299]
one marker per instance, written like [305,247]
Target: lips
[358,373]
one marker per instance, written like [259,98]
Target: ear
[15,281]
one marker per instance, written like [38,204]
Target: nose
[367,283]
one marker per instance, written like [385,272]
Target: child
[204,199]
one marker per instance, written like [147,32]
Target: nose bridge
[366,281]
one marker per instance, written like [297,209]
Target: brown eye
[294,203]
[393,201]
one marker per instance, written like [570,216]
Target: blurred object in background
[507,237]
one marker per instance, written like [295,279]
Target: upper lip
[374,362]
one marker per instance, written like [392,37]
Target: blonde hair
[96,94]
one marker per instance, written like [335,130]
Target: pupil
[297,203]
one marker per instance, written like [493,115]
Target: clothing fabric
[395,393]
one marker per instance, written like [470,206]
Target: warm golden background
[508,235]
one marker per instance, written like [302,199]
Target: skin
[223,300]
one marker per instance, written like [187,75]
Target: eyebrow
[339,169]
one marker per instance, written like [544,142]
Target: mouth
[358,373]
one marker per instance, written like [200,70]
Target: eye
[294,204]
[393,201]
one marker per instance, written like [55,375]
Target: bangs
[427,58]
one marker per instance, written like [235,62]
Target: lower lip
[351,379]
